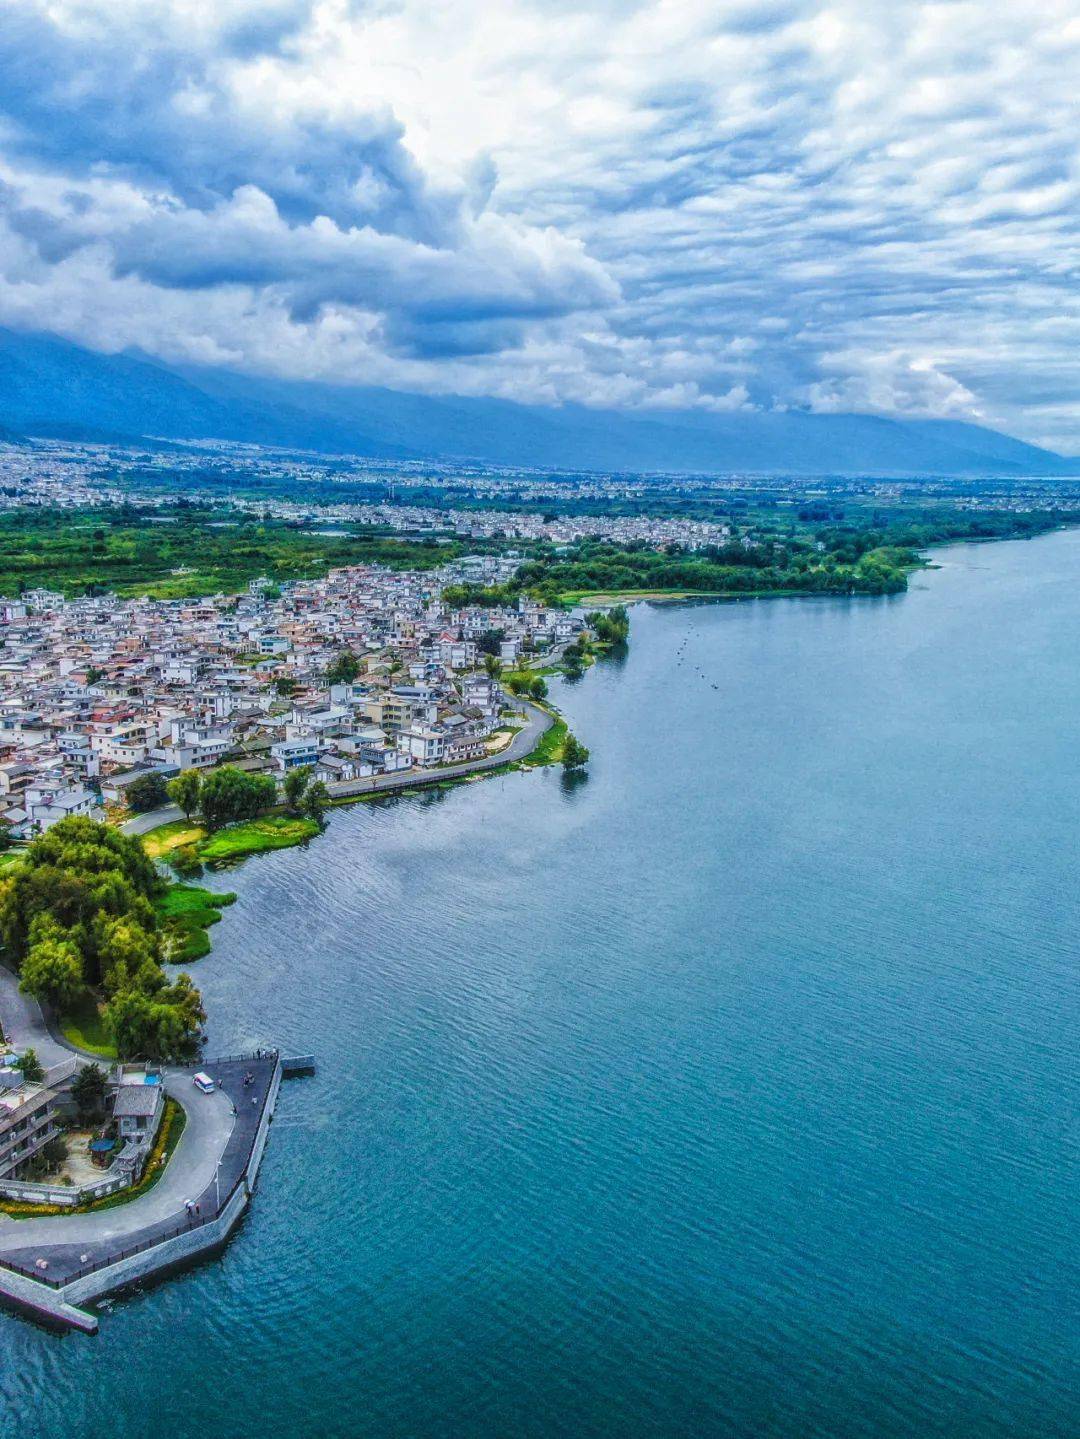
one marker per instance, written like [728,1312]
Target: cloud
[707,204]
[895,383]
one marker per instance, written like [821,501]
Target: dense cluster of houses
[95,692]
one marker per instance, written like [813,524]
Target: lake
[729,1091]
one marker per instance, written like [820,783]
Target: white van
[205,1083]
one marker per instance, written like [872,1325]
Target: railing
[31,1271]
[57,1073]
[153,1241]
[243,1058]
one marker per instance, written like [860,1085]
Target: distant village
[97,692]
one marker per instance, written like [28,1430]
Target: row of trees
[77,917]
[223,796]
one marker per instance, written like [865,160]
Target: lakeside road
[24,1027]
[214,1154]
[152,819]
[189,1174]
[537,723]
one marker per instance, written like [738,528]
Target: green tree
[538,687]
[344,669]
[316,802]
[54,1153]
[185,790]
[88,1091]
[83,896]
[128,954]
[160,1027]
[294,785]
[285,685]
[574,753]
[230,794]
[490,642]
[53,971]
[31,1067]
[149,791]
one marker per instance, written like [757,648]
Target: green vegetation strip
[256,836]
[186,912]
[548,748]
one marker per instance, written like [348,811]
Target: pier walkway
[207,1181]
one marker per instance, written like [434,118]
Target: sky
[855,205]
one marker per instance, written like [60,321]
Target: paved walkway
[220,1132]
[537,722]
[143,823]
[25,1028]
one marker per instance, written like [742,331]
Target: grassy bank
[84,1027]
[160,842]
[256,836]
[549,747]
[186,912]
[572,598]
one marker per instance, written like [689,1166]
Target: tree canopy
[149,791]
[78,913]
[229,794]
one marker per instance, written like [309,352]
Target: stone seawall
[192,1242]
[189,1245]
[59,1303]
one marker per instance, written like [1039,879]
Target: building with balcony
[27,1121]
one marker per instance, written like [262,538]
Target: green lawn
[548,749]
[84,1027]
[256,836]
[167,837]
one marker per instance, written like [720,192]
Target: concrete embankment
[538,722]
[51,1280]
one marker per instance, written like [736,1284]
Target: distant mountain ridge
[49,386]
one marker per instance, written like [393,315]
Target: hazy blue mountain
[51,387]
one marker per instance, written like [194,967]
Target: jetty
[51,1267]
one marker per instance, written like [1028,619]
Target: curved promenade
[47,1263]
[537,723]
[51,1265]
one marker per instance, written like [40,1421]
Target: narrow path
[25,1027]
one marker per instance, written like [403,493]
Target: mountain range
[50,387]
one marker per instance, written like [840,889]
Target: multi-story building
[27,1121]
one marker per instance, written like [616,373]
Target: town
[364,673]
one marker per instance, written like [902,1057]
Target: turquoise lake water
[731,1091]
